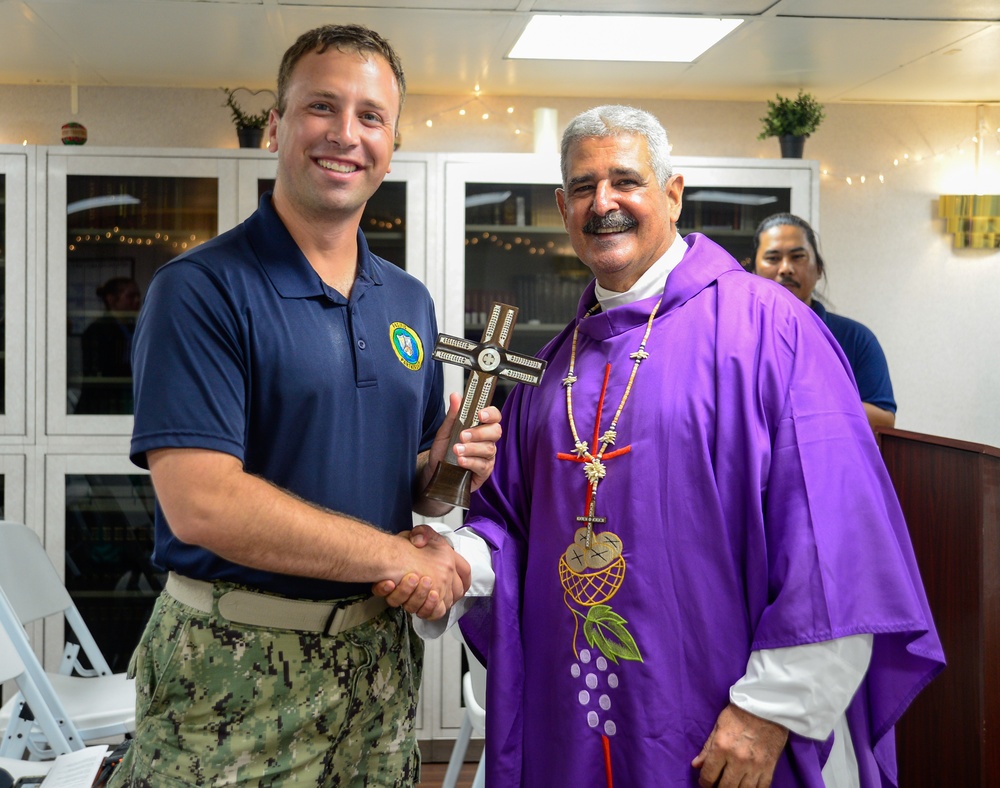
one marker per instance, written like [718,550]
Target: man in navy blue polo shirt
[786,251]
[290,415]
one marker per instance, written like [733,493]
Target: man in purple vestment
[702,574]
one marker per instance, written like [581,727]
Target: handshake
[436,578]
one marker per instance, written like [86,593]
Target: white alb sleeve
[805,688]
[473,548]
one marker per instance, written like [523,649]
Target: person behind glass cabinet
[786,250]
[107,350]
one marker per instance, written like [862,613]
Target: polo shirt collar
[288,269]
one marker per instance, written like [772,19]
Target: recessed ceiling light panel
[655,39]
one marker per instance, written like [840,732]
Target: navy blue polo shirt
[865,356]
[241,348]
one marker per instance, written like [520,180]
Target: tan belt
[275,612]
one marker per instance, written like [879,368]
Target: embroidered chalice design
[592,568]
[591,571]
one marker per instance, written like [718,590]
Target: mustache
[615,221]
[787,280]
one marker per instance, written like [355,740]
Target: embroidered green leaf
[605,630]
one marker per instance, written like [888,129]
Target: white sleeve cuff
[805,688]
[473,548]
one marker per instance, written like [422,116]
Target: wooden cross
[486,361]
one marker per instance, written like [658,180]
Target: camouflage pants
[222,704]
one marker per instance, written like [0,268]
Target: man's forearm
[210,501]
[879,417]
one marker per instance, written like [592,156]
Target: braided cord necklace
[594,469]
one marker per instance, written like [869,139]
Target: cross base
[450,484]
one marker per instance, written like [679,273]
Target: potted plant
[791,121]
[249,125]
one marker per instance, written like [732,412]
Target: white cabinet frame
[15,163]
[12,470]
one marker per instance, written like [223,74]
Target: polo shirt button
[361,344]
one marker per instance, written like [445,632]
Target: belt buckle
[335,621]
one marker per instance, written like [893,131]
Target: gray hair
[613,120]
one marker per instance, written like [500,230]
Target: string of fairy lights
[473,107]
[477,107]
[964,148]
[520,244]
[117,236]
[181,241]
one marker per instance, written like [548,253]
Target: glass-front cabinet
[112,221]
[726,199]
[120,229]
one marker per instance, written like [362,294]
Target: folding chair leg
[17,735]
[479,781]
[23,729]
[458,754]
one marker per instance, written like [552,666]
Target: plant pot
[249,137]
[791,146]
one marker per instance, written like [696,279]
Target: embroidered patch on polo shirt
[406,344]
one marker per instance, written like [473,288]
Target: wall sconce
[974,219]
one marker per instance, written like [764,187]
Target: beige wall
[934,309]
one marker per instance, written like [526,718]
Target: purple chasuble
[746,507]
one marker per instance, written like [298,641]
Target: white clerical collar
[651,283]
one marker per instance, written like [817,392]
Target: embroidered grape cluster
[596,695]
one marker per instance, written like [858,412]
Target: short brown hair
[347,38]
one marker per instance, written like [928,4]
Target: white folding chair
[100,704]
[474,697]
[32,717]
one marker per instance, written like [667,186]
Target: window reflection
[106,383]
[120,229]
[109,545]
[730,215]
